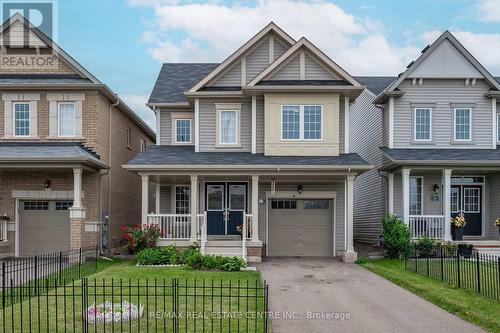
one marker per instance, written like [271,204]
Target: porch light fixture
[47,184]
[299,189]
[435,188]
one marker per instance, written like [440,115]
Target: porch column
[406,195]
[255,208]
[391,193]
[447,203]
[77,211]
[145,199]
[350,255]
[194,206]
[157,197]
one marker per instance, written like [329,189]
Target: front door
[226,206]
[467,199]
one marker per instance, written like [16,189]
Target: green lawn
[468,305]
[224,306]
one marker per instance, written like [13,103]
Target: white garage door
[301,227]
[43,226]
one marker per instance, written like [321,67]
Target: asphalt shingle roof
[47,151]
[439,155]
[376,84]
[179,155]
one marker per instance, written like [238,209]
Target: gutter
[278,168]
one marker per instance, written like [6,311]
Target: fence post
[442,262]
[458,269]
[478,267]
[3,286]
[60,265]
[175,293]
[96,257]
[35,272]
[266,306]
[80,264]
[84,305]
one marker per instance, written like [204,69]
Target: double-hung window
[462,124]
[228,127]
[422,123]
[66,119]
[416,206]
[182,199]
[183,131]
[301,122]
[21,119]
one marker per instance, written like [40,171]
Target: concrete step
[223,251]
[223,243]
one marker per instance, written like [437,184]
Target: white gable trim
[270,27]
[285,57]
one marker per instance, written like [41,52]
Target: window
[66,119]
[182,130]
[472,200]
[416,196]
[21,119]
[182,199]
[63,205]
[36,205]
[422,124]
[301,122]
[228,127]
[284,204]
[463,124]
[454,199]
[143,145]
[316,204]
[129,137]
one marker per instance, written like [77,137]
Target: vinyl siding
[260,124]
[314,71]
[166,206]
[290,71]
[366,137]
[208,124]
[443,94]
[257,60]
[279,48]
[165,128]
[338,187]
[492,186]
[231,78]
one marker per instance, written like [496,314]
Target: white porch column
[157,197]
[255,208]
[350,255]
[194,206]
[406,195]
[77,211]
[144,199]
[447,203]
[391,192]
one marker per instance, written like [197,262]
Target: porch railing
[3,231]
[432,226]
[176,226]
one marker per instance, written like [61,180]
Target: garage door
[300,227]
[43,226]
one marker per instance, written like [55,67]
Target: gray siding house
[252,156]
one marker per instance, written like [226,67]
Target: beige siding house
[252,156]
[63,138]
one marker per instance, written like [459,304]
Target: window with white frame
[422,124]
[129,137]
[183,131]
[21,119]
[416,195]
[463,124]
[228,127]
[301,122]
[182,199]
[66,119]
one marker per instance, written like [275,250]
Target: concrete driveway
[326,295]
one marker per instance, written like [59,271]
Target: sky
[124,42]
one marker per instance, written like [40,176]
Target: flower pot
[457,233]
[465,250]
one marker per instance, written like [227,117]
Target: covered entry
[301,227]
[43,226]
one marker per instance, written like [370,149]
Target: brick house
[63,138]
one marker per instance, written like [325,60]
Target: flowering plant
[497,222]
[139,238]
[239,228]
[114,312]
[458,221]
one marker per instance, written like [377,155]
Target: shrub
[396,236]
[138,238]
[209,262]
[361,260]
[425,246]
[233,264]
[158,256]
[193,258]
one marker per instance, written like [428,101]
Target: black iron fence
[462,268]
[168,305]
[66,265]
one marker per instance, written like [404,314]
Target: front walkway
[327,287]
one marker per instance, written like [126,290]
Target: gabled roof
[429,50]
[229,61]
[303,42]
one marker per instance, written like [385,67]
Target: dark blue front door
[467,200]
[226,206]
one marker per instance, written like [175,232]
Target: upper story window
[228,127]
[183,131]
[301,122]
[129,137]
[462,124]
[422,124]
[416,195]
[66,119]
[21,119]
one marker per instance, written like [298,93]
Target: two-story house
[252,155]
[63,138]
[438,129]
